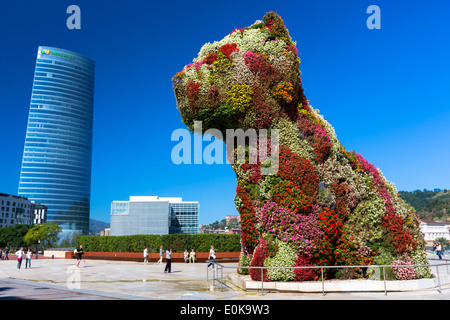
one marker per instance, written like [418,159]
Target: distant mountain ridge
[96,226]
[429,205]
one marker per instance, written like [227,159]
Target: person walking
[1,253]
[6,253]
[192,256]
[212,256]
[28,259]
[161,254]
[169,261]
[19,255]
[146,255]
[80,253]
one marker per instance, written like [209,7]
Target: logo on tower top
[54,53]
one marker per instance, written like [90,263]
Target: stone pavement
[60,279]
[21,290]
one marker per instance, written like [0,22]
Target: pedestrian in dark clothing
[80,253]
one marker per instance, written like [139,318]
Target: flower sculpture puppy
[325,205]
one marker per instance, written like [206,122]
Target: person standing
[6,253]
[169,261]
[80,253]
[146,255]
[28,259]
[161,254]
[19,254]
[1,253]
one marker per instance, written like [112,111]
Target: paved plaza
[60,279]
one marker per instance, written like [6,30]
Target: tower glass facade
[56,166]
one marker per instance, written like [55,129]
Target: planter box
[245,283]
[54,254]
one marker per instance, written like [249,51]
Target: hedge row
[178,242]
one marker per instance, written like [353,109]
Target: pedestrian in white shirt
[28,259]
[169,261]
[19,254]
[212,255]
[146,255]
[439,250]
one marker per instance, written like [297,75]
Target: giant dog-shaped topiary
[325,206]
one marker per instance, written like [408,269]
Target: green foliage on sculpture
[325,206]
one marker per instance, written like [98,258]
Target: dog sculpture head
[247,80]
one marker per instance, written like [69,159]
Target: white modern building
[154,215]
[435,229]
[40,213]
[20,210]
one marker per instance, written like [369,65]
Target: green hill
[430,205]
[96,226]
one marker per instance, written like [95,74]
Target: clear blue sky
[386,92]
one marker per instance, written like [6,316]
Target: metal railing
[218,267]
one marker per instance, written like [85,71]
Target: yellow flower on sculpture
[240,96]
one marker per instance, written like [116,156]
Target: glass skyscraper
[56,166]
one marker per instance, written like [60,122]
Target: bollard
[323,288]
[262,281]
[439,279]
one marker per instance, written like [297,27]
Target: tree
[44,233]
[12,236]
[219,225]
